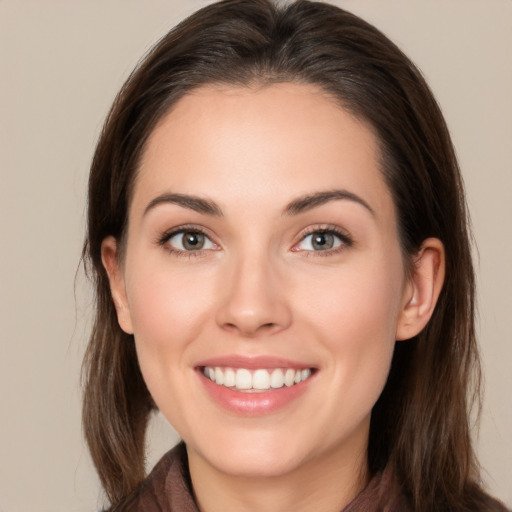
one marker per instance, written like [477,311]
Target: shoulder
[166,489]
[383,494]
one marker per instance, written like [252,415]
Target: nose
[254,299]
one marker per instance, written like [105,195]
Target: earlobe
[422,290]
[110,260]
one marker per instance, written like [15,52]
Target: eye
[188,241]
[322,240]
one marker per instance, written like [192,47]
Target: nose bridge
[253,299]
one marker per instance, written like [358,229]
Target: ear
[422,290]
[110,260]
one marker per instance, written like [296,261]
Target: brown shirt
[168,489]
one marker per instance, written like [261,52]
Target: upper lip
[253,362]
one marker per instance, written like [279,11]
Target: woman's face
[262,249]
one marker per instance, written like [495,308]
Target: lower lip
[256,403]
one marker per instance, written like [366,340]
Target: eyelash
[165,237]
[345,239]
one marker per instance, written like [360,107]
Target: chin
[251,455]
[255,465]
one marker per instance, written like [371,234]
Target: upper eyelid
[325,228]
[169,233]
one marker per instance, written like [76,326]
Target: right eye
[189,241]
[320,241]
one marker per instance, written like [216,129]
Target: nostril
[250,330]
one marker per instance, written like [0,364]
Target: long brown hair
[420,426]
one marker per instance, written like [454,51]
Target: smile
[256,380]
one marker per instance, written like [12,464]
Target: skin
[260,289]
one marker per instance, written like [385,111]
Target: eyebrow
[299,205]
[310,201]
[195,203]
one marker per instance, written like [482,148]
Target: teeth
[260,379]
[229,378]
[219,376]
[289,377]
[277,379]
[243,379]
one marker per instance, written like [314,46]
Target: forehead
[258,144]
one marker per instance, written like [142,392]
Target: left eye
[320,241]
[190,241]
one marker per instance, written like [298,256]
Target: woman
[279,239]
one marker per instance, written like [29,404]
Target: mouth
[258,380]
[255,386]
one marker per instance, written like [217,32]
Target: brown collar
[168,489]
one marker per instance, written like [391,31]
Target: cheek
[360,302]
[169,309]
[355,320]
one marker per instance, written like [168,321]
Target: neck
[326,483]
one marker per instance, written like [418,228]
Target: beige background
[61,62]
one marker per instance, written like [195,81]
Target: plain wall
[61,64]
